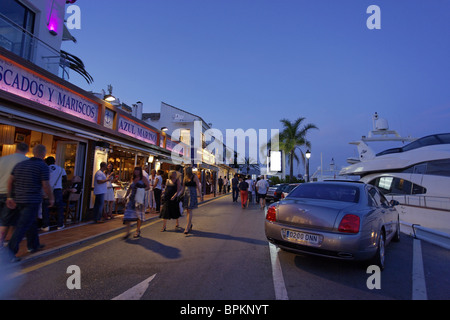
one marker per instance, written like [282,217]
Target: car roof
[357,184]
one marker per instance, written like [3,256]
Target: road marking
[72,253]
[419,289]
[277,274]
[136,292]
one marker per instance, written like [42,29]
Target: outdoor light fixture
[109,98]
[52,22]
[308,154]
[164,129]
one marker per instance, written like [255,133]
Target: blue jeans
[59,204]
[98,206]
[26,226]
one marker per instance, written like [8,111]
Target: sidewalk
[79,233]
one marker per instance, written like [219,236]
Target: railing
[24,44]
[429,202]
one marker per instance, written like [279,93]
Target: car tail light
[282,196]
[349,224]
[271,214]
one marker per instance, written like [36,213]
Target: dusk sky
[250,63]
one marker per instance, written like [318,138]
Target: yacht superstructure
[417,175]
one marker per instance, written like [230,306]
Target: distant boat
[332,172]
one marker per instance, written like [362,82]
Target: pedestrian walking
[235,187]
[243,188]
[191,186]
[220,182]
[157,190]
[109,196]
[179,171]
[8,217]
[25,186]
[170,204]
[225,184]
[100,190]
[135,210]
[251,189]
[261,188]
[58,179]
[151,193]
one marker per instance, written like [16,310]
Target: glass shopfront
[69,154]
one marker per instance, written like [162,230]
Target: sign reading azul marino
[132,129]
[29,85]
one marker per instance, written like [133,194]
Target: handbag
[139,197]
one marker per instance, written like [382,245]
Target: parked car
[343,220]
[287,189]
[274,192]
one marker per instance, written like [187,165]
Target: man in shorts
[261,187]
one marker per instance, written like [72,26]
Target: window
[326,192]
[16,25]
[439,167]
[392,185]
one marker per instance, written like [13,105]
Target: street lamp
[308,156]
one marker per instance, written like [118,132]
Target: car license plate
[302,237]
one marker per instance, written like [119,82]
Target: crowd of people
[248,189]
[149,193]
[29,187]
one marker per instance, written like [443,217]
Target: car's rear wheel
[379,258]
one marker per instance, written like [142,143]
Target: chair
[72,207]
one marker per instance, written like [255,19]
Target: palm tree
[249,164]
[292,138]
[76,64]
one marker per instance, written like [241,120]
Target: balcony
[24,44]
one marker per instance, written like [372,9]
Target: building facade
[38,106]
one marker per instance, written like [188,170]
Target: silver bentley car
[338,219]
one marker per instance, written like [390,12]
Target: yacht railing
[26,45]
[422,201]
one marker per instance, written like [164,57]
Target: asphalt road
[226,258]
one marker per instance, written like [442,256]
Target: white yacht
[416,175]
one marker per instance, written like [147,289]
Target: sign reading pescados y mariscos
[22,82]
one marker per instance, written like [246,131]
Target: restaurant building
[185,125]
[37,106]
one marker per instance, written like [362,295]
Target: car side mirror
[394,203]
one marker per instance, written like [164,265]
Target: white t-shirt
[56,174]
[262,186]
[159,184]
[100,188]
[250,185]
[7,164]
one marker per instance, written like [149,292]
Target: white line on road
[277,274]
[136,292]
[419,289]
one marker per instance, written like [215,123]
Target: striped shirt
[28,178]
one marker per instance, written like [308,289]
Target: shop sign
[22,82]
[135,130]
[108,122]
[175,147]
